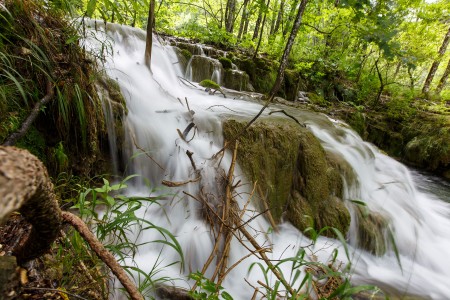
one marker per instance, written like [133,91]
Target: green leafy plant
[113,216]
[207,289]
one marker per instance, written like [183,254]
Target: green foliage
[226,62]
[302,268]
[61,157]
[399,109]
[318,99]
[207,83]
[206,289]
[186,54]
[34,141]
[115,219]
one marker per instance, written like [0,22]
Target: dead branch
[144,151]
[266,207]
[103,254]
[184,80]
[288,115]
[12,139]
[266,259]
[255,288]
[222,106]
[179,183]
[189,154]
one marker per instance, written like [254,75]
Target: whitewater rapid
[158,103]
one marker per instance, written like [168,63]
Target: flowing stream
[418,218]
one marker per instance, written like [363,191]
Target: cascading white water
[419,221]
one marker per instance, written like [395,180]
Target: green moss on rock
[293,173]
[371,230]
[226,62]
[208,83]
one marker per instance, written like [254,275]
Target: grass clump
[39,48]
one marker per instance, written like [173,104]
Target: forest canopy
[386,46]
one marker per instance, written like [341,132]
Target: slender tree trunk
[288,48]
[244,19]
[273,18]
[229,15]
[435,65]
[279,17]
[444,78]
[411,79]
[149,39]
[261,32]
[382,84]
[257,24]
[247,21]
[290,18]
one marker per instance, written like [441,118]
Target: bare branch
[12,139]
[103,254]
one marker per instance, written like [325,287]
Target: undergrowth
[38,48]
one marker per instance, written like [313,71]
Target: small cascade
[109,119]
[203,67]
[417,221]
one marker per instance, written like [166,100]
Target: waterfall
[158,108]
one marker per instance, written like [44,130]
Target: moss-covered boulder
[421,139]
[226,62]
[262,72]
[292,171]
[202,67]
[237,80]
[183,56]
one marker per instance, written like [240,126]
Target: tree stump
[26,186]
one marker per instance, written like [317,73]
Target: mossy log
[26,186]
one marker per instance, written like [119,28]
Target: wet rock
[294,174]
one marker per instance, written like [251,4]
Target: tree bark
[149,38]
[261,32]
[279,17]
[435,65]
[290,18]
[244,18]
[443,80]
[26,186]
[229,15]
[288,48]
[257,24]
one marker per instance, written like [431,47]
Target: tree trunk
[444,78]
[26,186]
[273,18]
[435,65]
[261,32]
[149,38]
[257,24]
[279,17]
[287,49]
[290,18]
[244,19]
[229,15]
